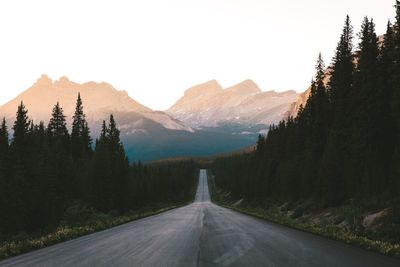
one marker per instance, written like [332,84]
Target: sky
[156,49]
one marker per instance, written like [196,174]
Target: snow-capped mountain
[209,105]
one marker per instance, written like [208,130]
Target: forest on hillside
[50,176]
[344,144]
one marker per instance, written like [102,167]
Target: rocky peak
[44,80]
[207,88]
[245,87]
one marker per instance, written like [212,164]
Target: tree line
[345,142]
[44,170]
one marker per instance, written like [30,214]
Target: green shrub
[79,213]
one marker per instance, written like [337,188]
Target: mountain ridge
[99,100]
[241,103]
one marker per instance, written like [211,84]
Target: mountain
[99,99]
[146,134]
[207,120]
[300,101]
[302,98]
[209,105]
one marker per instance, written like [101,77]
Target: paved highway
[201,234]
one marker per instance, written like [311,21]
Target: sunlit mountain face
[209,105]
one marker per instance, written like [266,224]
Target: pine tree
[319,127]
[365,112]
[57,126]
[81,149]
[80,135]
[343,66]
[3,173]
[111,169]
[101,173]
[120,166]
[340,85]
[61,161]
[386,62]
[396,70]
[103,133]
[21,126]
[396,96]
[3,138]
[113,133]
[18,174]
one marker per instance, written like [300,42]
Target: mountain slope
[302,98]
[99,99]
[208,105]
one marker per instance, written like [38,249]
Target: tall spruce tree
[342,72]
[21,126]
[313,120]
[396,97]
[61,162]
[19,173]
[119,165]
[3,173]
[81,149]
[321,106]
[80,134]
[57,126]
[101,174]
[3,138]
[110,170]
[340,85]
[385,94]
[396,69]
[365,113]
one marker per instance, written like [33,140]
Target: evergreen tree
[396,96]
[19,182]
[61,161]
[119,165]
[3,139]
[80,136]
[57,126]
[110,170]
[81,149]
[336,154]
[365,112]
[103,133]
[343,66]
[113,133]
[3,173]
[21,126]
[101,173]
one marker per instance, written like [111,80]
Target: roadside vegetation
[56,185]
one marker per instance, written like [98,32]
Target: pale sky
[155,49]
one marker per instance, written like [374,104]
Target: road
[201,234]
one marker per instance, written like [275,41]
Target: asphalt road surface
[201,234]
